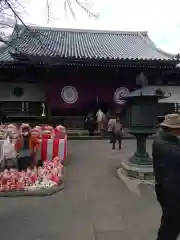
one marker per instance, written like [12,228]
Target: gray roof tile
[86,44]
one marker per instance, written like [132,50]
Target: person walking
[111,123]
[116,132]
[166,163]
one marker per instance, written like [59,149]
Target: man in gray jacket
[166,162]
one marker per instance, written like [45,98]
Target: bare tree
[8,19]
[13,12]
[85,5]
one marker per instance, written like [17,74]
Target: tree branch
[85,5]
[48,11]
[5,25]
[14,17]
[87,10]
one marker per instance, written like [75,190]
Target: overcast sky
[160,18]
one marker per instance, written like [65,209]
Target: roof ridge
[12,39]
[13,36]
[33,27]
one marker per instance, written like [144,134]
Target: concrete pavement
[95,204]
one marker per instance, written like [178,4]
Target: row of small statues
[13,131]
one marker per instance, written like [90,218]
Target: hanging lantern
[43,110]
[141,80]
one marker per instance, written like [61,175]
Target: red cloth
[50,148]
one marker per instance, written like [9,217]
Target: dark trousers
[24,163]
[110,137]
[91,133]
[170,220]
[114,139]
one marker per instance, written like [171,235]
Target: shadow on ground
[95,204]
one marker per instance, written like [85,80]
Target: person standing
[166,163]
[90,124]
[25,155]
[99,116]
[116,132]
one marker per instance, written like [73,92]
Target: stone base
[141,172]
[41,192]
[35,193]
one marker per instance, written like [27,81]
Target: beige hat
[171,121]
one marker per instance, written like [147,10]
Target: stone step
[84,134]
[86,137]
[76,132]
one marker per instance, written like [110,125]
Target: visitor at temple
[166,163]
[90,124]
[115,130]
[101,121]
[99,117]
[26,154]
[111,123]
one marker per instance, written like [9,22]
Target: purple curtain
[87,93]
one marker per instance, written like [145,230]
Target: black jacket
[166,161]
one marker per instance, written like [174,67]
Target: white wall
[32,92]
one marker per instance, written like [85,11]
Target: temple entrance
[83,110]
[73,116]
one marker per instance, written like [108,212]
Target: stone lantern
[142,115]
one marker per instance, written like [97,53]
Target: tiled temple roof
[83,44]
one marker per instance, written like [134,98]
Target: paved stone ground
[95,204]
